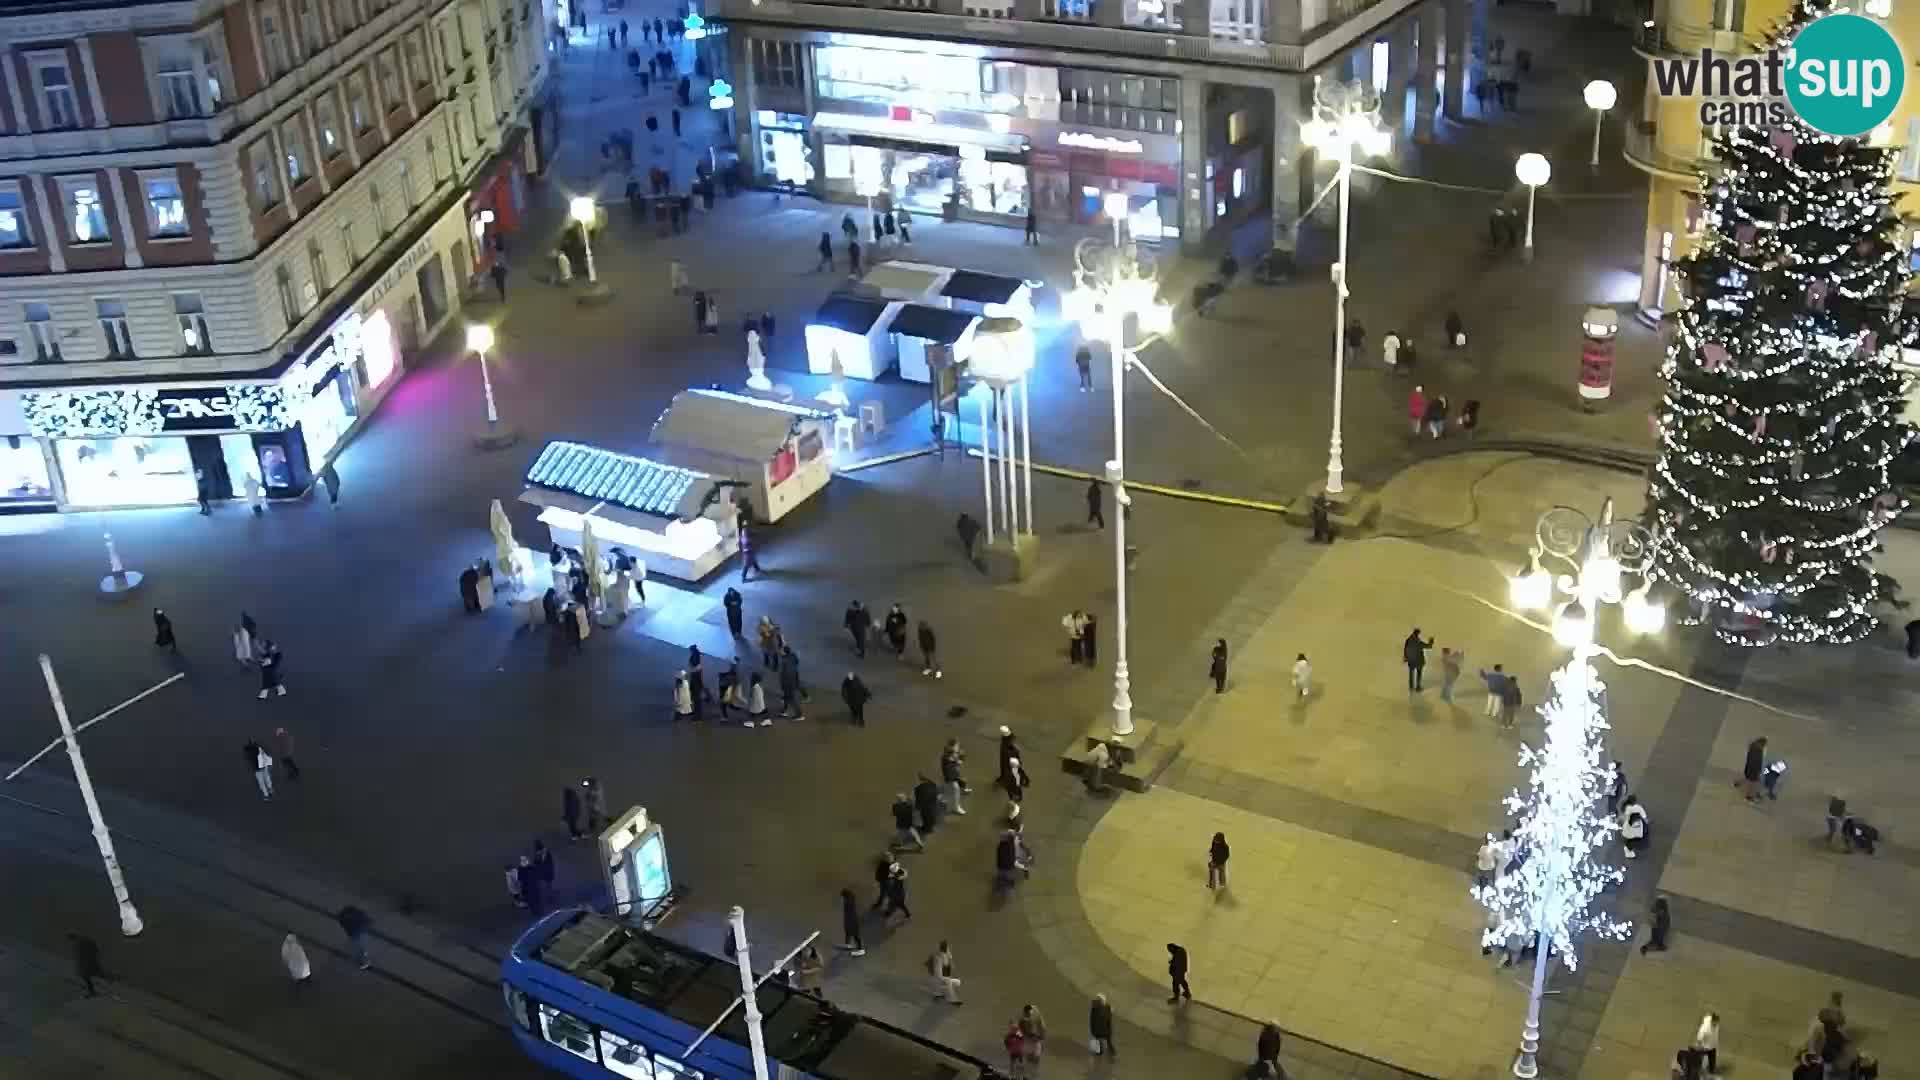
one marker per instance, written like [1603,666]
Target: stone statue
[756,364]
[836,391]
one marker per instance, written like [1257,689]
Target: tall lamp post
[582,209]
[480,343]
[130,923]
[1600,96]
[1547,897]
[1531,170]
[1111,285]
[1343,122]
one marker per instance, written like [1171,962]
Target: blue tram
[594,997]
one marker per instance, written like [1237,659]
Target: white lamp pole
[1026,449]
[1115,205]
[582,210]
[480,340]
[1531,170]
[749,996]
[1117,476]
[1336,468]
[986,456]
[1600,96]
[130,923]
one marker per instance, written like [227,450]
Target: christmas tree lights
[1782,411]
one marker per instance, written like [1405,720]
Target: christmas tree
[1782,413]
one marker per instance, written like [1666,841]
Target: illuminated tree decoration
[1563,827]
[80,414]
[1782,411]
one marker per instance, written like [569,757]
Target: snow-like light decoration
[84,414]
[1562,828]
[1782,412]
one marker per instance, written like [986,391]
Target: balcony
[1643,152]
[1679,38]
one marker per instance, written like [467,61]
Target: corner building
[225,226]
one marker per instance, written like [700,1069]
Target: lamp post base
[123,582]
[1008,561]
[593,294]
[496,437]
[1135,758]
[1352,508]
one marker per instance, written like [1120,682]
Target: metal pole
[586,244]
[1116,475]
[1598,115]
[486,382]
[1007,481]
[1335,468]
[986,460]
[1026,447]
[749,1000]
[1526,1065]
[1526,253]
[130,923]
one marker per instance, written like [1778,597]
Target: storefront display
[786,153]
[129,471]
[25,478]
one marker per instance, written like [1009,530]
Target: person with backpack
[1510,702]
[1633,826]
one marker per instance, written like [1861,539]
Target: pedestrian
[1033,1029]
[1836,815]
[809,970]
[756,702]
[749,555]
[1100,1027]
[736,616]
[904,220]
[1707,1041]
[853,258]
[1437,415]
[676,123]
[850,924]
[854,692]
[697,681]
[659,31]
[163,631]
[940,972]
[330,476]
[952,758]
[1096,510]
[1831,1020]
[1217,666]
[968,530]
[203,491]
[623,33]
[1083,363]
[1633,826]
[1489,861]
[1033,227]
[1266,1049]
[294,956]
[927,652]
[1770,777]
[515,889]
[926,803]
[767,632]
[283,742]
[1302,676]
[243,639]
[1072,623]
[1496,682]
[904,833]
[879,232]
[1390,349]
[729,685]
[1016,1047]
[895,890]
[682,697]
[596,804]
[1009,750]
[499,272]
[355,924]
[531,887]
[1015,779]
[1616,788]
[270,660]
[1750,770]
[1320,514]
[1414,652]
[859,624]
[1456,331]
[1450,660]
[1177,973]
[1217,853]
[1090,639]
[1356,341]
[793,692]
[262,768]
[1099,760]
[895,628]
[570,811]
[1469,421]
[86,962]
[1417,408]
[1662,921]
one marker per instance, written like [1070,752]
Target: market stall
[931,337]
[664,516]
[854,329]
[991,295]
[910,281]
[774,453]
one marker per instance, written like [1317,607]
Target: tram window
[668,1069]
[517,1007]
[567,1032]
[625,1057]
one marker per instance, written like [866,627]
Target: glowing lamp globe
[1602,576]
[1532,590]
[1600,95]
[1002,351]
[1642,614]
[1115,205]
[1532,170]
[1573,625]
[479,337]
[580,208]
[1156,318]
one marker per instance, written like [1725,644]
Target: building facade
[1668,141]
[224,224]
[989,109]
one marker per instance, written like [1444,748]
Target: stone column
[1457,54]
[1424,71]
[1196,214]
[1401,43]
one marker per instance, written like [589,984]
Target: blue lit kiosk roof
[692,988]
[587,479]
[974,287]
[711,423]
[943,326]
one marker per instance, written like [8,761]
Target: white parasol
[503,542]
[590,554]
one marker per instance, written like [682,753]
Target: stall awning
[850,313]
[906,280]
[729,425]
[941,325]
[981,288]
[603,476]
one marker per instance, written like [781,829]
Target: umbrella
[503,542]
[590,554]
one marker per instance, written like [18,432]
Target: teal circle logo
[1845,74]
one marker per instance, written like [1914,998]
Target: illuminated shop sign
[1089,141]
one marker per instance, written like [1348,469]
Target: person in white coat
[256,494]
[757,703]
[1707,1041]
[682,697]
[294,956]
[1302,676]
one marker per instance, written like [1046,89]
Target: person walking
[757,702]
[355,924]
[1015,781]
[330,476]
[1217,853]
[570,811]
[940,974]
[596,804]
[1033,228]
[1414,652]
[926,803]
[1320,516]
[1177,973]
[853,258]
[1015,1044]
[1033,1031]
[270,671]
[256,494]
[1083,363]
[894,890]
[499,273]
[859,624]
[1099,760]
[855,693]
[904,834]
[895,628]
[850,924]
[736,615]
[768,634]
[1496,682]
[1617,788]
[1090,639]
[951,760]
[203,491]
[826,253]
[1450,660]
[928,653]
[749,555]
[1750,771]
[697,681]
[1100,1027]
[293,956]
[729,686]
[1302,676]
[1096,508]
[244,636]
[1217,666]
[262,769]
[283,742]
[531,887]
[1707,1041]
[1266,1049]
[1072,624]
[1489,862]
[792,694]
[682,697]
[86,962]
[1661,922]
[1417,408]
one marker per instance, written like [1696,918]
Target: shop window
[1910,153]
[293,139]
[266,190]
[59,106]
[113,327]
[127,471]
[15,232]
[289,302]
[567,1032]
[23,468]
[86,215]
[623,1057]
[166,206]
[326,124]
[189,310]
[45,335]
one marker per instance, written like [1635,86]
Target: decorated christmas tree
[1782,413]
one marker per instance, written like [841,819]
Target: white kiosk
[672,519]
[931,337]
[855,329]
[777,453]
[991,295]
[633,856]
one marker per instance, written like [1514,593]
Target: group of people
[530,880]
[1431,415]
[250,649]
[260,763]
